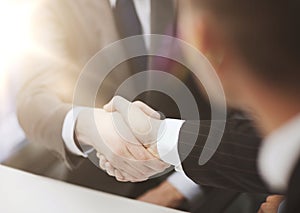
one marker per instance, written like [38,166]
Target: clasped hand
[124,135]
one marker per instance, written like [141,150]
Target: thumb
[148,110]
[115,103]
[140,123]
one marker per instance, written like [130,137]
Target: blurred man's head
[253,45]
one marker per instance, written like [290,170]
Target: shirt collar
[279,154]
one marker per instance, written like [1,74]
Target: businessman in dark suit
[258,67]
[265,63]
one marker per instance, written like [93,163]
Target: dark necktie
[128,24]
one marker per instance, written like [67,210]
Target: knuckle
[117,98]
[118,151]
[138,103]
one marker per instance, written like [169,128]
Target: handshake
[125,136]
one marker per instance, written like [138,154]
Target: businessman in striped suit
[258,69]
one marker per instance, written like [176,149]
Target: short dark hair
[266,33]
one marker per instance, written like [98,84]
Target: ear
[199,29]
[209,40]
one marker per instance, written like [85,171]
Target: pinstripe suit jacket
[233,166]
[293,193]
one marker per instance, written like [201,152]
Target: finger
[133,116]
[101,166]
[120,104]
[131,167]
[141,125]
[266,208]
[136,168]
[109,169]
[119,176]
[118,173]
[148,171]
[102,161]
[275,198]
[260,211]
[262,208]
[147,110]
[138,151]
[270,198]
[138,180]
[109,107]
[124,176]
[143,169]
[156,165]
[117,103]
[127,177]
[131,142]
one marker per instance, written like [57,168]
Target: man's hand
[271,205]
[120,153]
[164,195]
[143,121]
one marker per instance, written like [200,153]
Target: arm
[234,165]
[51,68]
[42,103]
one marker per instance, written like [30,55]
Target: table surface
[24,192]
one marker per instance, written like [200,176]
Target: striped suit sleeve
[234,164]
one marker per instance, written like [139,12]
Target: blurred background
[14,39]
[15,151]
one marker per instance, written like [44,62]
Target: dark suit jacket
[293,193]
[233,166]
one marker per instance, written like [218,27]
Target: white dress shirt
[179,180]
[279,155]
[168,141]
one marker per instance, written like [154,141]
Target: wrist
[83,123]
[77,128]
[68,131]
[172,194]
[157,126]
[167,141]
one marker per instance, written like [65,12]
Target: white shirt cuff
[168,135]
[185,185]
[68,131]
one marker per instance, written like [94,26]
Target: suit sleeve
[66,35]
[234,164]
